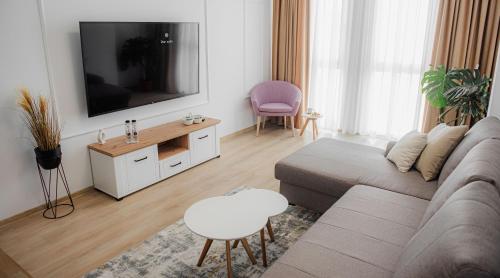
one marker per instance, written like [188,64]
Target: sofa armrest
[389,146]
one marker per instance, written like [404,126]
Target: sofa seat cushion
[362,235]
[332,167]
[307,259]
[388,209]
[275,107]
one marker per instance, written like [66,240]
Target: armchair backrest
[276,91]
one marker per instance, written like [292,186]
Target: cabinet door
[202,145]
[142,168]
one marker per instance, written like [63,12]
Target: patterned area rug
[175,250]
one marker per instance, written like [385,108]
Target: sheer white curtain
[367,57]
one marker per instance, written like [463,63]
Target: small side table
[313,118]
[224,218]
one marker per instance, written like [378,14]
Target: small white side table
[235,217]
[313,118]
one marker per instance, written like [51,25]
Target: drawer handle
[141,159]
[202,137]
[177,164]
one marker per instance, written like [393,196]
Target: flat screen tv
[129,64]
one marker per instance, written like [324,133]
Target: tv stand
[119,168]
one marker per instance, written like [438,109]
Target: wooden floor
[101,228]
[9,268]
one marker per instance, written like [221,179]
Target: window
[366,60]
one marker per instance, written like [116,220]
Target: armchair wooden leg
[284,122]
[292,122]
[263,122]
[258,125]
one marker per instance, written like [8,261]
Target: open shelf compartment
[173,146]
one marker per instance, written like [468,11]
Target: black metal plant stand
[51,204]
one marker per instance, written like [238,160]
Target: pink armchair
[276,98]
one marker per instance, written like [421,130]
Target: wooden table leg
[228,259]
[263,247]
[208,243]
[315,132]
[249,251]
[270,230]
[235,244]
[316,127]
[304,127]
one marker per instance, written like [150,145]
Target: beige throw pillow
[441,141]
[407,149]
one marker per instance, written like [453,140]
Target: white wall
[22,64]
[234,55]
[494,108]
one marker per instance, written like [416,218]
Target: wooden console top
[147,137]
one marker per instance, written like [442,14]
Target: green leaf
[433,85]
[468,92]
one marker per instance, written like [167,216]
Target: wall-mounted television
[130,64]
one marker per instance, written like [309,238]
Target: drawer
[142,168]
[202,145]
[175,164]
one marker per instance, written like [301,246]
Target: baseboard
[42,207]
[247,129]
[239,132]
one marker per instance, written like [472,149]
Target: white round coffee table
[235,217]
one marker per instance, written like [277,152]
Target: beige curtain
[467,34]
[290,46]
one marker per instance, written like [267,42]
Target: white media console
[120,169]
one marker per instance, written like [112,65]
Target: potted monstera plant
[463,90]
[41,119]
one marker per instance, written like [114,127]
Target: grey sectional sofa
[379,222]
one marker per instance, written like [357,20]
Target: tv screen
[129,64]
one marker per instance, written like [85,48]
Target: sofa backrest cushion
[460,240]
[481,163]
[487,128]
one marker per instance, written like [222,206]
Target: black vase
[48,159]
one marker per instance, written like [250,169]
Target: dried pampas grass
[41,119]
